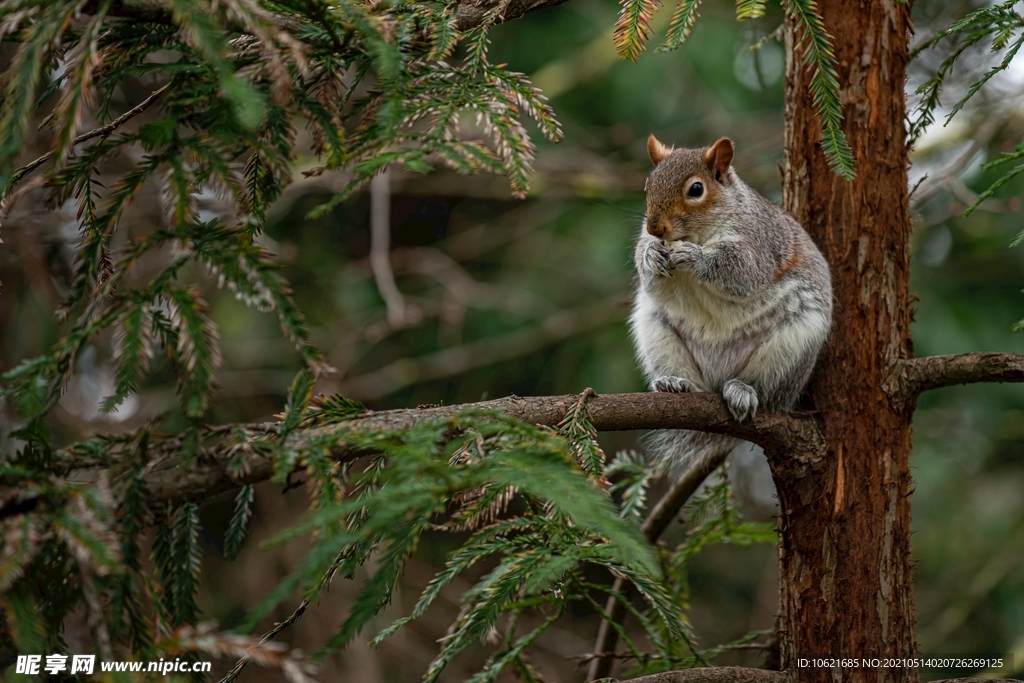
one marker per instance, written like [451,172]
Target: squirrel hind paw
[741,398]
[675,385]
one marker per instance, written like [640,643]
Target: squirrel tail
[693,456]
[681,450]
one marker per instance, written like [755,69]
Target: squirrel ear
[656,150]
[719,156]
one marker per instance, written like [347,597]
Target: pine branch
[911,377]
[470,15]
[683,20]
[657,521]
[102,131]
[149,13]
[232,675]
[817,55]
[793,437]
[634,27]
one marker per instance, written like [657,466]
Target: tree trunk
[846,579]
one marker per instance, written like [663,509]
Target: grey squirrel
[733,296]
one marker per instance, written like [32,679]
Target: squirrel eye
[696,190]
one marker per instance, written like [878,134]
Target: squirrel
[733,296]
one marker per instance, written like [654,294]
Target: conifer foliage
[814,44]
[225,85]
[1000,25]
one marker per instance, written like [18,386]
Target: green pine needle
[816,45]
[683,20]
[633,27]
[239,525]
[750,9]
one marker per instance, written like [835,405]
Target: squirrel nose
[656,228]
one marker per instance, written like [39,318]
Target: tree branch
[928,186]
[910,377]
[795,436]
[480,353]
[102,131]
[470,13]
[380,249]
[711,674]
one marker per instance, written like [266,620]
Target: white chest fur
[710,316]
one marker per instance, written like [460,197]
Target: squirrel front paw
[675,385]
[741,398]
[657,259]
[684,254]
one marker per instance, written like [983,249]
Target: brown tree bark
[798,434]
[844,543]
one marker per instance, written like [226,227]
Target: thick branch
[911,377]
[470,13]
[711,674]
[779,433]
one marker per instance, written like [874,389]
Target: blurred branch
[911,377]
[796,438]
[970,198]
[929,186]
[458,359]
[512,225]
[380,248]
[461,291]
[458,282]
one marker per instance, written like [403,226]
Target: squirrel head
[687,189]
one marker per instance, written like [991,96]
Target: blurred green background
[529,297]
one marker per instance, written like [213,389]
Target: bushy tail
[679,449]
[692,456]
